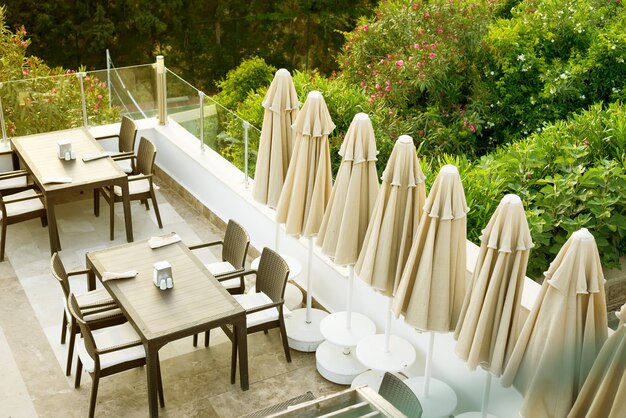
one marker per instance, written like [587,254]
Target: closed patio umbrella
[276,143]
[563,333]
[302,202]
[604,392]
[489,321]
[341,236]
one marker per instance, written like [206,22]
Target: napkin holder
[65,150]
[162,275]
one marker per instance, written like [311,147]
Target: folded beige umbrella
[604,392]
[563,332]
[308,183]
[489,321]
[353,196]
[276,143]
[394,219]
[432,285]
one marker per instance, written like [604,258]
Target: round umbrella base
[371,378]
[441,399]
[371,352]
[303,336]
[334,329]
[474,415]
[337,364]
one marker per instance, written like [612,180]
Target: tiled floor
[196,380]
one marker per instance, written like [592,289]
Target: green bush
[249,76]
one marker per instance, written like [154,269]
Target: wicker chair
[97,307]
[18,207]
[140,185]
[400,395]
[108,351]
[125,145]
[264,308]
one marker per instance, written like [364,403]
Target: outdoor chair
[264,308]
[97,307]
[107,351]
[400,395]
[20,206]
[8,158]
[125,145]
[140,185]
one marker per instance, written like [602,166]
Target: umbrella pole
[308,281]
[349,303]
[429,363]
[486,392]
[388,324]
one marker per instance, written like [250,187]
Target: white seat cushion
[252,300]
[24,206]
[134,187]
[13,183]
[220,267]
[125,165]
[110,337]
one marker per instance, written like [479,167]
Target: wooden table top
[39,152]
[197,300]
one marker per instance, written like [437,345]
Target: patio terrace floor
[196,380]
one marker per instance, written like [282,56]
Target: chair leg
[94,394]
[146,204]
[156,208]
[233,361]
[96,202]
[3,240]
[64,328]
[70,349]
[79,373]
[111,214]
[195,340]
[160,383]
[207,337]
[44,220]
[283,334]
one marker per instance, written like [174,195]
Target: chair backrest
[236,243]
[59,273]
[272,275]
[128,132]
[400,395]
[145,156]
[90,343]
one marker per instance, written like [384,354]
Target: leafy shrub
[250,75]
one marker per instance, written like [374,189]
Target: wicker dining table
[196,303]
[39,153]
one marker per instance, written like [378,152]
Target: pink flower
[432,55]
[389,56]
[375,72]
[416,46]
[24,71]
[365,28]
[400,82]
[419,64]
[420,31]
[377,86]
[387,82]
[433,46]
[426,15]
[369,66]
[472,128]
[390,113]
[416,6]
[28,62]
[24,44]
[439,29]
[347,47]
[99,97]
[421,132]
[422,75]
[363,84]
[399,63]
[388,88]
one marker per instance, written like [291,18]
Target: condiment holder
[65,150]
[162,275]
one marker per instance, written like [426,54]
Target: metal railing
[91,98]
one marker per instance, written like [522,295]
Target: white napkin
[156,242]
[110,275]
[58,179]
[96,156]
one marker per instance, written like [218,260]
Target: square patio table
[39,153]
[196,303]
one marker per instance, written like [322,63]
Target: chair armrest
[98,138]
[266,306]
[118,347]
[238,273]
[140,177]
[205,244]
[77,272]
[123,156]
[13,174]
[94,309]
[21,199]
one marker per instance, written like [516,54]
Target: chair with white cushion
[97,307]
[19,207]
[140,186]
[125,145]
[264,308]
[108,351]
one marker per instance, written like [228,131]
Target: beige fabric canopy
[604,392]
[276,143]
[394,219]
[432,285]
[353,196]
[563,333]
[489,321]
[308,183]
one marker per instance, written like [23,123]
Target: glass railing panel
[183,103]
[41,104]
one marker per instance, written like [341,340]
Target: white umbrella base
[335,365]
[334,329]
[474,415]
[371,378]
[303,336]
[293,296]
[371,352]
[441,400]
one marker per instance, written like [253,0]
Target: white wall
[219,186]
